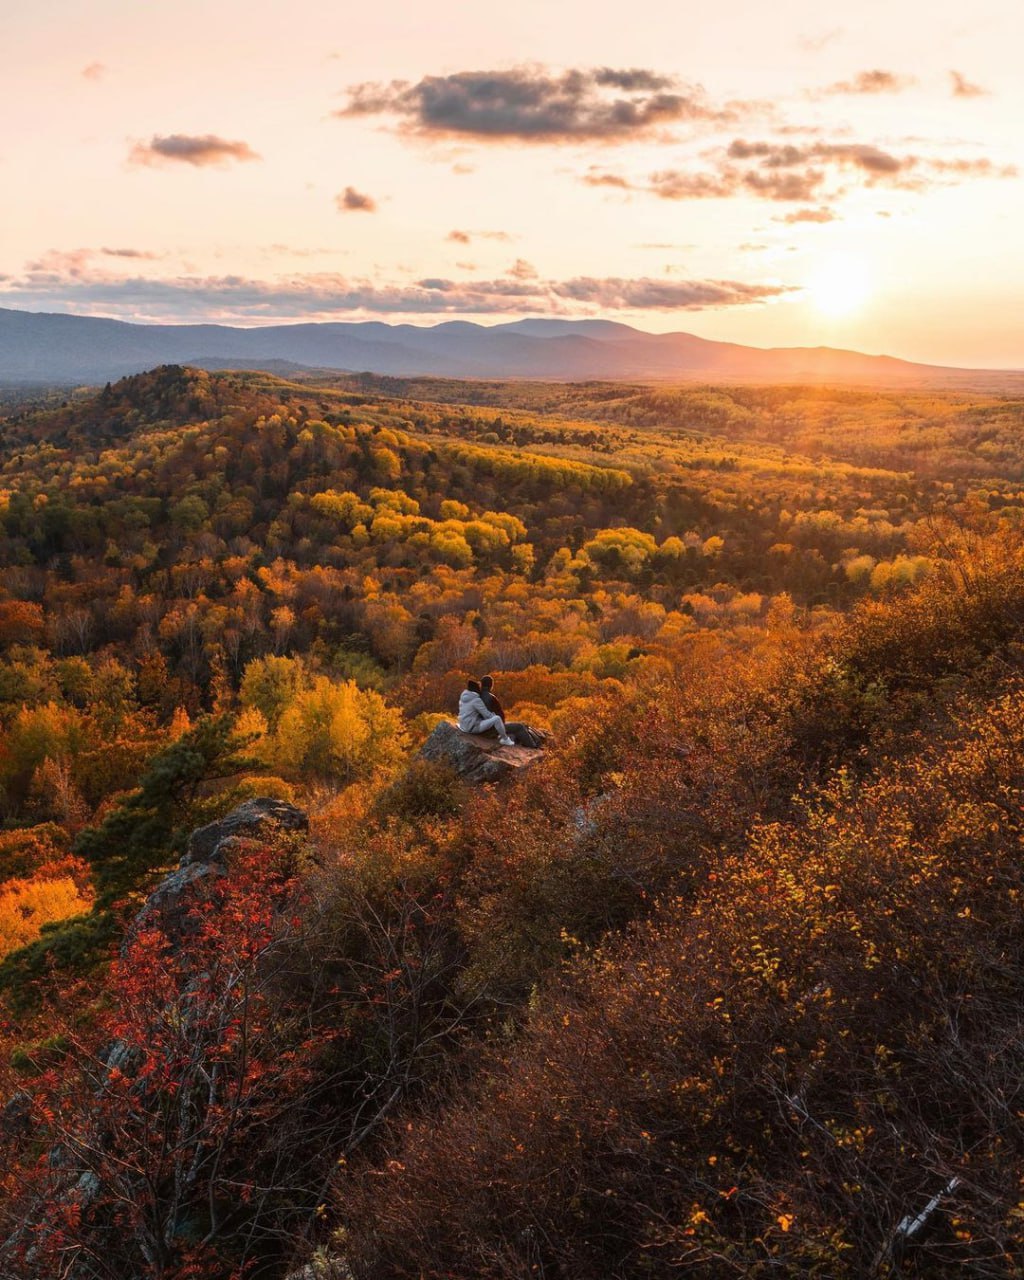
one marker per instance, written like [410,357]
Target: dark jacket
[492,704]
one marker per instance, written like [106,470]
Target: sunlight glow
[840,286]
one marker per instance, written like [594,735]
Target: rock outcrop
[253,818]
[207,852]
[475,757]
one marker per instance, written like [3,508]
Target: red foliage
[172,1127]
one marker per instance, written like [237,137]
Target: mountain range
[39,347]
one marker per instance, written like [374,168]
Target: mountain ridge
[57,347]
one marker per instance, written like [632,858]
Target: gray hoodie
[472,711]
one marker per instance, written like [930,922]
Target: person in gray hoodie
[475,718]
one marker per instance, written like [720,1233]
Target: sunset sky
[796,173]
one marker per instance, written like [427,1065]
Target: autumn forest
[728,983]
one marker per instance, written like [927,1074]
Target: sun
[840,286]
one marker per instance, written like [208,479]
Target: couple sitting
[481,712]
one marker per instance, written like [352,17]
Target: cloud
[467,237]
[352,201]
[130,253]
[57,264]
[729,181]
[859,155]
[801,174]
[963,88]
[94,71]
[602,178]
[771,184]
[781,172]
[672,184]
[532,104]
[198,151]
[523,270]
[635,80]
[77,264]
[671,295]
[875,81]
[65,281]
[809,215]
[981,168]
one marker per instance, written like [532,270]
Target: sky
[798,173]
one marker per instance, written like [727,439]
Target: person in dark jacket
[521,734]
[475,717]
[490,698]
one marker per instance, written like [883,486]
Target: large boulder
[253,818]
[476,757]
[206,856]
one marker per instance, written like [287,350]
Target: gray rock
[206,856]
[252,818]
[475,757]
[167,901]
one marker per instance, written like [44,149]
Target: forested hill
[730,982]
[201,520]
[38,347]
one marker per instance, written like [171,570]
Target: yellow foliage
[337,731]
[26,905]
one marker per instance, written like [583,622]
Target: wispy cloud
[352,201]
[964,88]
[68,281]
[677,184]
[614,293]
[874,81]
[596,177]
[200,151]
[981,168]
[869,158]
[130,253]
[467,237]
[787,172]
[532,104]
[809,215]
[60,264]
[94,71]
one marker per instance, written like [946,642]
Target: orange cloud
[199,151]
[352,201]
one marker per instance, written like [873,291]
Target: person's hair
[473,686]
[487,682]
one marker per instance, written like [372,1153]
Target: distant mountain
[49,348]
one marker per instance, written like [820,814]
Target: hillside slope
[729,981]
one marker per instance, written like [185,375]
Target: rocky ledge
[476,757]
